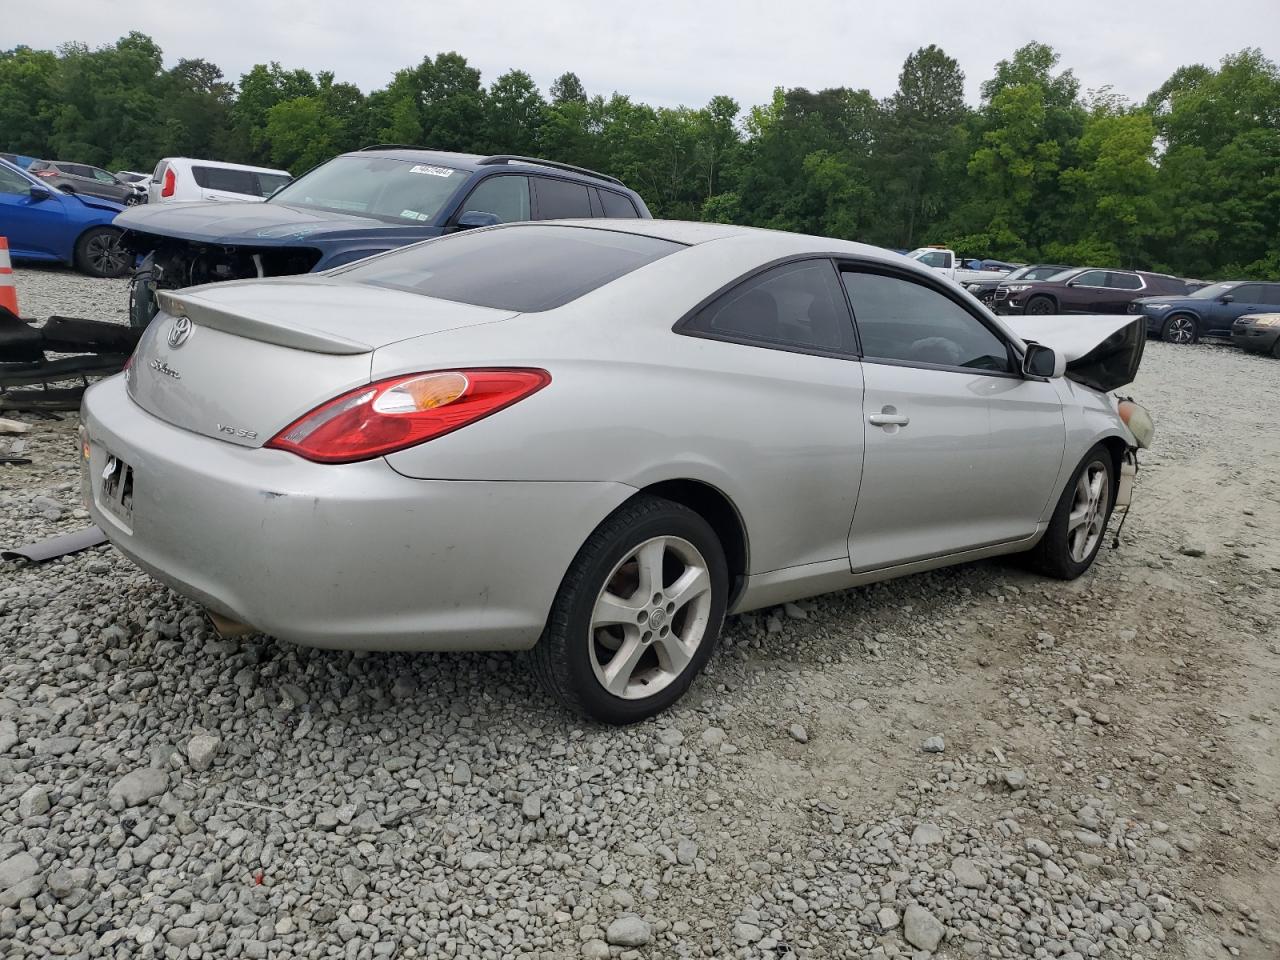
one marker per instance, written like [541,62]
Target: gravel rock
[933,745]
[798,733]
[628,931]
[921,928]
[137,787]
[887,918]
[201,749]
[19,878]
[34,802]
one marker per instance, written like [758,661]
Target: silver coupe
[594,439]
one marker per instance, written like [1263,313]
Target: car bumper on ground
[346,556]
[1248,335]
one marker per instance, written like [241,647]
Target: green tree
[514,114]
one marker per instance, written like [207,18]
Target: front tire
[637,614]
[1039,307]
[1181,329]
[100,254]
[1079,522]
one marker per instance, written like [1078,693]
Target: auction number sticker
[431,171]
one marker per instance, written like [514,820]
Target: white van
[177,179]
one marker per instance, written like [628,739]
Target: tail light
[170,181]
[389,415]
[46,173]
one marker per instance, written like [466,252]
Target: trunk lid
[241,360]
[1103,351]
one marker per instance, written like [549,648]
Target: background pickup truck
[946,262]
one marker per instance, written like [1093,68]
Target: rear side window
[1124,281]
[158,174]
[616,205]
[561,200]
[506,197]
[248,182]
[526,268]
[1271,294]
[797,306]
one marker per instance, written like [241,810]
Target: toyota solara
[594,439]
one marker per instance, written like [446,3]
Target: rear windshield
[251,183]
[396,191]
[523,268]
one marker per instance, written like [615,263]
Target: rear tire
[615,633]
[1181,329]
[1079,522]
[1039,306]
[1275,348]
[99,253]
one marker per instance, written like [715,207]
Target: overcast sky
[666,52]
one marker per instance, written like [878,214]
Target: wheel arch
[1046,295]
[714,506]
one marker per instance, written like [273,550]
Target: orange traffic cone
[8,293]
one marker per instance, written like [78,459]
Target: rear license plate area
[115,488]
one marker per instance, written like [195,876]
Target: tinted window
[525,268]
[79,169]
[1248,293]
[1041,273]
[1271,294]
[1124,281]
[1091,278]
[248,182]
[616,205]
[561,200]
[507,198]
[796,305]
[901,320]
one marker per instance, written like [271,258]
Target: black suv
[353,206]
[985,290]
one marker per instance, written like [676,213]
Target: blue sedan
[42,223]
[1209,312]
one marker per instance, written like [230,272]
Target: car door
[1246,298]
[1082,292]
[1122,287]
[505,196]
[782,364]
[960,451]
[33,227]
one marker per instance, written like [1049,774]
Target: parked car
[182,180]
[945,262]
[352,207]
[44,224]
[139,181]
[594,440]
[1258,333]
[1208,312]
[985,289]
[83,178]
[1086,290]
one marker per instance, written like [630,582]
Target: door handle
[888,418]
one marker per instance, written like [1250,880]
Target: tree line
[1187,181]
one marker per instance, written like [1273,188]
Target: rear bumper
[352,556]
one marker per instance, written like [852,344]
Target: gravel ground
[974,762]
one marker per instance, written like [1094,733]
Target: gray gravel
[165,793]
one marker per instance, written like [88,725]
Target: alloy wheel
[106,254]
[1181,330]
[650,617]
[1088,516]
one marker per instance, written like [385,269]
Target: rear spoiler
[208,314]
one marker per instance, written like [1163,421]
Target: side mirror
[477,218]
[1042,363]
[40,192]
[1226,298]
[1073,283]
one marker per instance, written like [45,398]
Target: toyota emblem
[179,332]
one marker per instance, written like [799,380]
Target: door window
[1248,293]
[1271,294]
[903,321]
[1124,281]
[507,198]
[1091,278]
[11,182]
[561,200]
[796,306]
[935,259]
[102,176]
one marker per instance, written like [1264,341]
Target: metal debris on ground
[56,547]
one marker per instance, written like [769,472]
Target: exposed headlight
[1271,320]
[1017,287]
